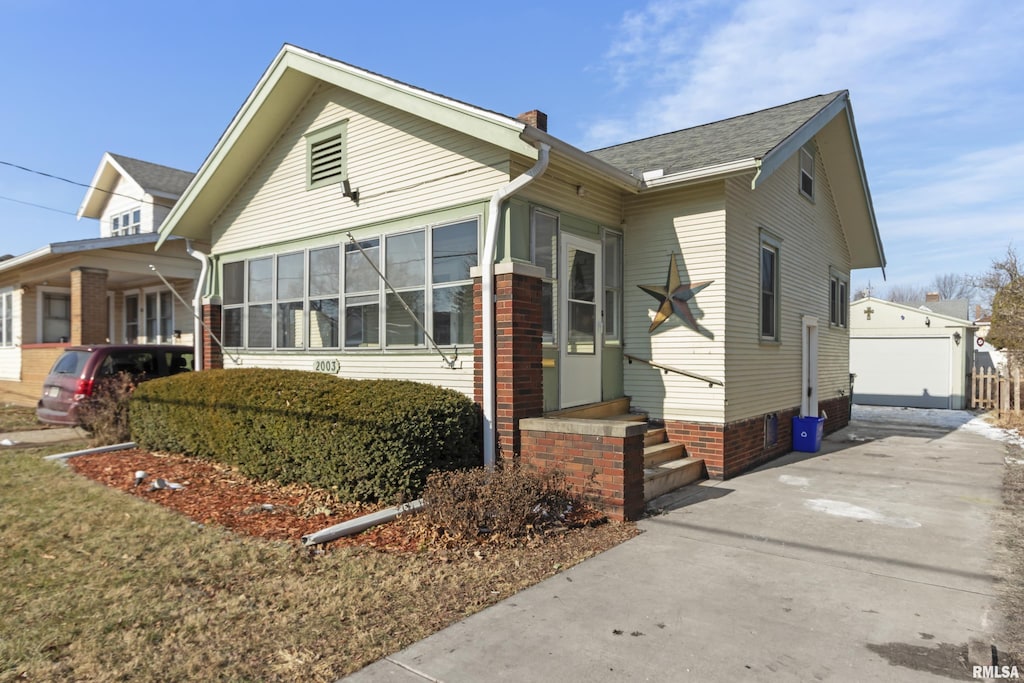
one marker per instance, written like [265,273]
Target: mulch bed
[211,493]
[215,494]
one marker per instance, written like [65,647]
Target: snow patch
[790,480]
[838,508]
[953,420]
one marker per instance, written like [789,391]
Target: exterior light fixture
[957,337]
[927,322]
[347,191]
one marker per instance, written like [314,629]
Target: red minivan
[80,369]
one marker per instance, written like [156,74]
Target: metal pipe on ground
[354,526]
[88,451]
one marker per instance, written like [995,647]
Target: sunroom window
[313,299]
[544,249]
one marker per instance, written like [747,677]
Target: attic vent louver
[327,162]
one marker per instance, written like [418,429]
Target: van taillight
[83,388]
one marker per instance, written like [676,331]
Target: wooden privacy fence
[991,390]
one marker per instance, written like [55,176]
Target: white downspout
[487,294]
[197,304]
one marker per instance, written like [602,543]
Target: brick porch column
[519,379]
[213,356]
[88,305]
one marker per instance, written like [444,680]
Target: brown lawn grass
[18,418]
[98,585]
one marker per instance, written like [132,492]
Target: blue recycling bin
[807,432]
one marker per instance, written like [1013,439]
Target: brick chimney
[535,118]
[932,296]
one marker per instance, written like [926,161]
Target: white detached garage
[906,356]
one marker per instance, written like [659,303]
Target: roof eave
[499,130]
[704,174]
[782,152]
[617,176]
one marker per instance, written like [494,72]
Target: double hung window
[127,223]
[612,286]
[769,281]
[7,318]
[838,309]
[545,255]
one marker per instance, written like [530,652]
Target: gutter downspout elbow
[753,181]
[487,295]
[197,304]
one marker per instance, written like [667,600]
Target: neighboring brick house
[99,289]
[703,273]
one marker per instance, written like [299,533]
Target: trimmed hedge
[364,440]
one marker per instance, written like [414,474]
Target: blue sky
[937,89]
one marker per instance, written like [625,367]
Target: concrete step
[654,436]
[656,454]
[671,475]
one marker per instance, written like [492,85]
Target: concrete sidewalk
[867,561]
[43,437]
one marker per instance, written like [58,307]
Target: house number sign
[331,365]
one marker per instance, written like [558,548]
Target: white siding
[10,362]
[690,224]
[898,334]
[600,202]
[764,377]
[402,165]
[126,196]
[425,368]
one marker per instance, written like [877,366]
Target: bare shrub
[105,414]
[499,506]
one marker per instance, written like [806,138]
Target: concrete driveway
[867,561]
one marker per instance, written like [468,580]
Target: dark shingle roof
[154,177]
[954,308]
[750,136]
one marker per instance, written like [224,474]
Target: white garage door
[910,372]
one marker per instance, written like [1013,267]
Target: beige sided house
[697,277]
[100,289]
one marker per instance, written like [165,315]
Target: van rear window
[70,363]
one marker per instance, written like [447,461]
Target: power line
[66,180]
[38,206]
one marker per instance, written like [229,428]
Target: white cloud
[936,87]
[691,65]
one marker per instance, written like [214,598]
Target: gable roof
[737,139]
[951,320]
[761,142]
[955,308]
[757,143]
[154,179]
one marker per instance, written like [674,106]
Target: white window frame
[381,292]
[771,243]
[550,280]
[162,295]
[126,222]
[41,294]
[7,317]
[839,299]
[129,339]
[612,336]
[808,158]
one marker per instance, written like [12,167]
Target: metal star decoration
[674,297]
